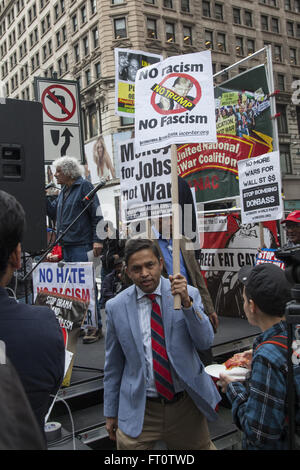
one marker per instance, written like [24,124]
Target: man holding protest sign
[32,336]
[140,404]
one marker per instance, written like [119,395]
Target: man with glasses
[292,227]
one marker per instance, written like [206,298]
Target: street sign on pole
[60,100]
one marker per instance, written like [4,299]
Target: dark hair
[12,227]
[137,244]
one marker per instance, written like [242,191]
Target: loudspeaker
[22,171]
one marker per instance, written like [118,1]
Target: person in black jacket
[113,283]
[32,336]
[113,249]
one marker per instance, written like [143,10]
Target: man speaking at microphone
[82,236]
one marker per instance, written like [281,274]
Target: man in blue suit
[32,336]
[155,386]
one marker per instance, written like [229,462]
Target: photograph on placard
[127,64]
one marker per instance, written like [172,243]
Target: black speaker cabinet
[22,165]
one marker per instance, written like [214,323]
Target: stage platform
[84,396]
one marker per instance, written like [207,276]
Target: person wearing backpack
[259,405]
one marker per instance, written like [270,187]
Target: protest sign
[70,313]
[260,188]
[145,182]
[244,130]
[227,246]
[72,279]
[127,63]
[174,102]
[268,255]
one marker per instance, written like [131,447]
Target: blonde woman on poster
[102,159]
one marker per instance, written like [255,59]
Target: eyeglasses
[291,226]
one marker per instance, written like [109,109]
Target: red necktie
[161,365]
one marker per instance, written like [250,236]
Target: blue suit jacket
[125,368]
[35,346]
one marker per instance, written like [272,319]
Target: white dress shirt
[144,314]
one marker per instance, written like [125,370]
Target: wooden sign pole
[175,221]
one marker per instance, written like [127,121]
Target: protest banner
[145,182]
[127,63]
[72,279]
[174,102]
[260,188]
[244,130]
[268,255]
[70,313]
[227,246]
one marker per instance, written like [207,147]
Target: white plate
[216,369]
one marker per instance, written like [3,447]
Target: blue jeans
[78,253]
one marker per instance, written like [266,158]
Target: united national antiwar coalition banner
[244,130]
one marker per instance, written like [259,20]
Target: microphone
[51,185]
[92,193]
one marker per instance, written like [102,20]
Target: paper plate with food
[237,366]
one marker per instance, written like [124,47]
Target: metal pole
[240,61]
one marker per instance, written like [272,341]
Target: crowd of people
[155,384]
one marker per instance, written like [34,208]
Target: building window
[76,53]
[151,29]
[250,46]
[287,4]
[221,42]
[126,121]
[120,28]
[170,32]
[185,5]
[85,43]
[285,159]
[93,120]
[187,35]
[60,69]
[239,45]
[168,3]
[206,9]
[297,6]
[93,7]
[98,70]
[66,62]
[277,53]
[236,15]
[282,119]
[95,35]
[248,19]
[290,28]
[83,14]
[74,23]
[209,44]
[264,23]
[275,25]
[117,2]
[293,56]
[88,77]
[219,11]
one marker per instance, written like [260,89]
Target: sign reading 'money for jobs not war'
[174,102]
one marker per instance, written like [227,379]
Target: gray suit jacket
[194,273]
[125,368]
